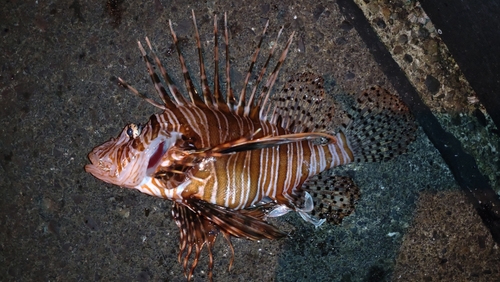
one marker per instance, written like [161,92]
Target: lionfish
[227,163]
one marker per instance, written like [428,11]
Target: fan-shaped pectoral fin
[200,223]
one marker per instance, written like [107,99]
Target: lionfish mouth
[109,170]
[104,170]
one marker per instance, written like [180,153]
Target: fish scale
[227,164]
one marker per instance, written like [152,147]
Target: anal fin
[334,197]
[321,198]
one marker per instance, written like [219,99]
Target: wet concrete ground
[59,99]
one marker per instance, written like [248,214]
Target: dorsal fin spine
[193,94]
[230,99]
[264,110]
[256,102]
[242,100]
[174,91]
[205,89]
[140,95]
[261,97]
[155,79]
[218,98]
[252,109]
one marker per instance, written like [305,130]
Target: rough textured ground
[59,98]
[415,44]
[457,251]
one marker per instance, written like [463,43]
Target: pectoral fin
[247,144]
[247,224]
[200,223]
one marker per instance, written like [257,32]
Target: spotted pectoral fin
[195,232]
[334,197]
[200,223]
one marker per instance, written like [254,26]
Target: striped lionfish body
[227,163]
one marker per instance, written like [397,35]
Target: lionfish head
[131,157]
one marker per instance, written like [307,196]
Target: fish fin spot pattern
[380,126]
[334,197]
[303,106]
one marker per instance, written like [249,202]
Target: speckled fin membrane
[334,197]
[379,126]
[303,106]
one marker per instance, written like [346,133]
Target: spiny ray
[174,91]
[241,103]
[154,78]
[193,94]
[266,92]
[251,105]
[205,89]
[231,101]
[133,90]
[217,94]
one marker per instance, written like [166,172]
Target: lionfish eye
[134,130]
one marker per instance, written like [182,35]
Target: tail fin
[379,126]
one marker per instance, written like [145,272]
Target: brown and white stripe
[242,179]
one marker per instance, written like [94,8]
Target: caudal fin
[379,126]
